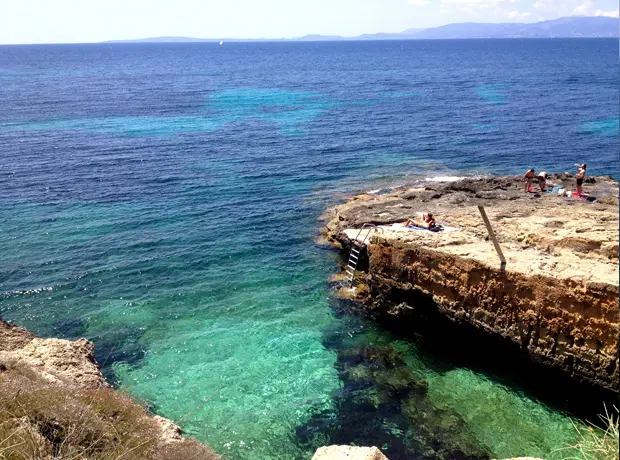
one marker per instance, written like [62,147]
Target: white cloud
[584,9]
[524,10]
[419,2]
[610,14]
[472,3]
[518,14]
[469,10]
[587,8]
[475,6]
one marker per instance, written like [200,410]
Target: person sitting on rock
[428,221]
[527,178]
[581,175]
[542,181]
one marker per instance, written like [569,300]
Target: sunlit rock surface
[557,300]
[348,453]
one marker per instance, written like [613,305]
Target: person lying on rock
[527,178]
[542,181]
[428,221]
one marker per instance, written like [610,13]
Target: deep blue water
[162,200]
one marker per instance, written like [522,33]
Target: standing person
[542,181]
[527,178]
[581,175]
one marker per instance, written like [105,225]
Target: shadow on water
[125,349]
[72,328]
[121,345]
[445,345]
[383,402]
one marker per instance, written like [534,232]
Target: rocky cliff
[557,298]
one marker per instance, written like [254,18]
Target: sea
[162,201]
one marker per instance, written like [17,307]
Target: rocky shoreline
[554,307]
[64,408]
[555,304]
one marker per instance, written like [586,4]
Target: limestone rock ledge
[56,360]
[557,300]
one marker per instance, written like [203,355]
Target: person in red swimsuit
[527,178]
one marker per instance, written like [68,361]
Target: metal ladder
[356,247]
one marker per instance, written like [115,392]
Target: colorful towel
[434,229]
[444,228]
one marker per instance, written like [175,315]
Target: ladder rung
[353,257]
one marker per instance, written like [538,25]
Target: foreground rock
[58,361]
[348,453]
[56,404]
[557,300]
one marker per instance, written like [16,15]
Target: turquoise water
[162,201]
[607,128]
[462,409]
[494,94]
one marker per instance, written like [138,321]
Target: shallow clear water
[161,200]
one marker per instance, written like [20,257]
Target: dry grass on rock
[51,420]
[597,442]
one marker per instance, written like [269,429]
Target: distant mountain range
[578,27]
[599,26]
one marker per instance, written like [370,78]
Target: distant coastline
[569,27]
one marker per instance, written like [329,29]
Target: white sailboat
[221,42]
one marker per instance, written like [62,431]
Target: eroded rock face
[348,453]
[557,300]
[13,337]
[72,363]
[570,325]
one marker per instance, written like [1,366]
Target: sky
[80,21]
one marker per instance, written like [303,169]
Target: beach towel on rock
[424,229]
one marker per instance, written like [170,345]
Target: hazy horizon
[71,21]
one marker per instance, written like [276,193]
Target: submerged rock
[348,453]
[384,402]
